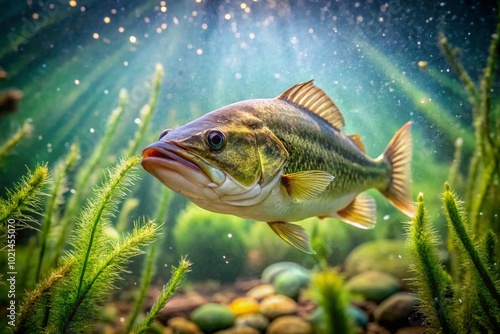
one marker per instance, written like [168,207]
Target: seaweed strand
[166,293]
[431,280]
[22,132]
[58,186]
[456,219]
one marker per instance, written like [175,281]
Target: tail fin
[398,154]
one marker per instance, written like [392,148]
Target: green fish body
[282,160]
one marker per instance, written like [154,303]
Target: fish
[281,160]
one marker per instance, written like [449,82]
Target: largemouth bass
[282,160]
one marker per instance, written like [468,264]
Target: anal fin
[294,235]
[361,212]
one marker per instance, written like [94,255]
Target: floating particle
[125,63]
[164,26]
[204,26]
[106,91]
[252,35]
[35,16]
[113,11]
[91,130]
[227,16]
[199,51]
[386,217]
[158,30]
[247,10]
[72,3]
[163,3]
[147,20]
[194,13]
[237,76]
[422,64]
[95,35]
[77,82]
[132,39]
[121,29]
[198,1]
[107,20]
[82,9]
[176,20]
[243,5]
[163,9]
[137,121]
[229,235]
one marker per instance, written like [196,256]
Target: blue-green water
[71,58]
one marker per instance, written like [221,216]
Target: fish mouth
[161,159]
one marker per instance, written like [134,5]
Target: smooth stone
[181,325]
[261,291]
[244,305]
[388,256]
[213,317]
[239,330]
[290,282]
[273,270]
[397,311]
[358,315]
[277,305]
[289,325]
[373,285]
[255,320]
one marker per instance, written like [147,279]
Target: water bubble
[137,121]
[229,235]
[386,217]
[92,130]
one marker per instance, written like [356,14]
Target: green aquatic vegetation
[24,200]
[59,187]
[86,171]
[167,292]
[469,304]
[149,264]
[327,290]
[67,298]
[484,171]
[11,142]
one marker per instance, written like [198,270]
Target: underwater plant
[327,290]
[15,138]
[468,306]
[484,171]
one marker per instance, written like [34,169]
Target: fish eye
[164,133]
[216,139]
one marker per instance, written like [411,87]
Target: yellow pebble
[244,305]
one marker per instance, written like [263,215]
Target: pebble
[255,320]
[277,305]
[213,317]
[183,326]
[261,291]
[273,270]
[239,330]
[244,305]
[289,325]
[373,285]
[397,311]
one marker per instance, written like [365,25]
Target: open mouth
[162,152]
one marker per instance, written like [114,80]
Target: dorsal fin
[306,95]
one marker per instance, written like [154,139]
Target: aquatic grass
[24,200]
[59,186]
[327,290]
[86,171]
[167,292]
[146,113]
[456,219]
[484,171]
[10,143]
[431,282]
[149,265]
[471,303]
[128,206]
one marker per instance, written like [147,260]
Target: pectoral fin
[293,234]
[306,185]
[361,212]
